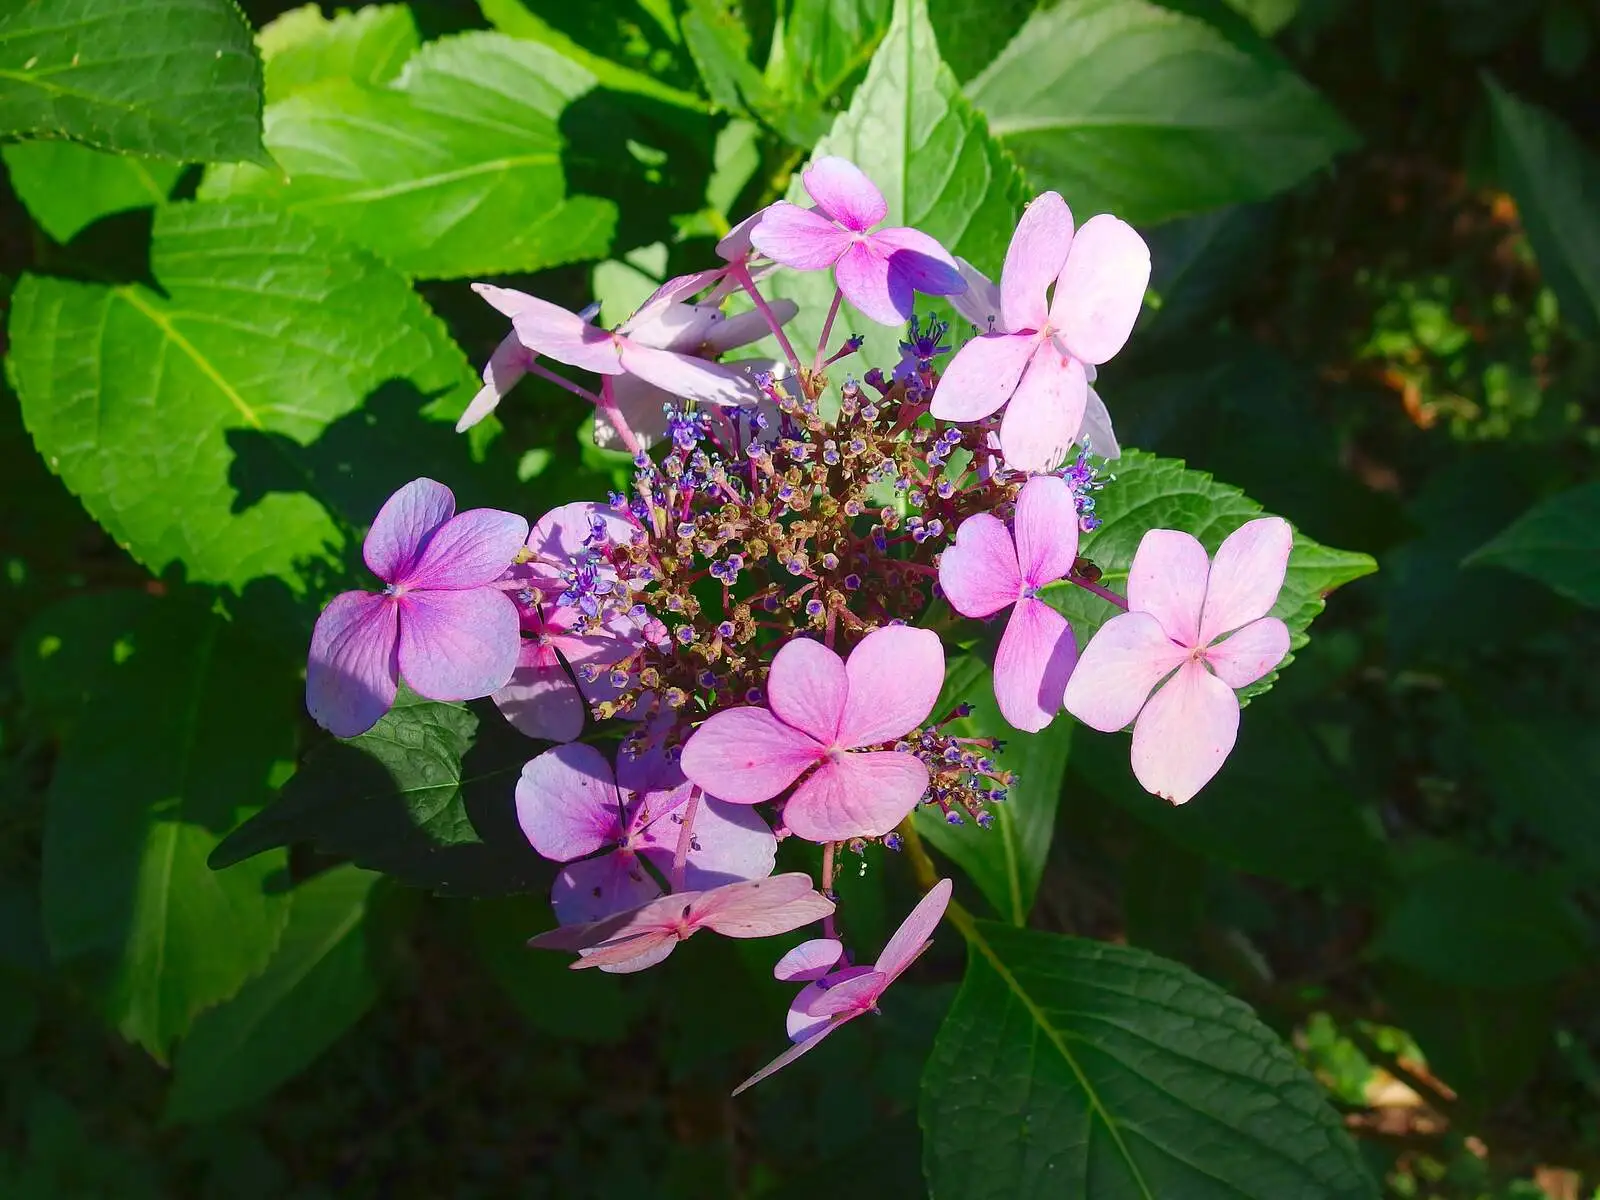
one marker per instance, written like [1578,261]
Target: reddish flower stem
[741,273]
[561,381]
[1104,593]
[608,405]
[827,328]
[680,854]
[829,929]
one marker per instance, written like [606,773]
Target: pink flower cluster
[755,617]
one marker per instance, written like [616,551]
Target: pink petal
[735,244]
[689,377]
[1126,657]
[760,907]
[1032,664]
[863,275]
[741,329]
[982,376]
[654,779]
[1046,411]
[568,806]
[896,674]
[541,699]
[630,955]
[674,293]
[731,842]
[978,572]
[351,673]
[842,191]
[807,687]
[1033,260]
[914,933]
[1184,734]
[799,238]
[546,328]
[469,550]
[747,755]
[1244,657]
[1101,288]
[668,325]
[600,887]
[802,1023]
[809,960]
[856,994]
[662,915]
[403,527]
[1167,579]
[657,952]
[920,261]
[860,794]
[980,303]
[1096,432]
[1246,576]
[1046,528]
[507,365]
[458,645]
[560,536]
[792,1053]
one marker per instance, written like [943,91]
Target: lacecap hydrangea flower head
[752,627]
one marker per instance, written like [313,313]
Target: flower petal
[978,572]
[1126,657]
[859,794]
[1242,658]
[740,329]
[920,261]
[760,907]
[730,842]
[568,806]
[1096,432]
[982,376]
[809,960]
[1033,260]
[1167,579]
[1101,288]
[1033,664]
[351,673]
[458,645]
[799,238]
[735,244]
[914,933]
[1046,528]
[564,533]
[1045,411]
[822,1030]
[843,191]
[1246,576]
[807,688]
[980,303]
[403,527]
[601,887]
[643,407]
[541,699]
[1184,734]
[631,954]
[506,366]
[747,755]
[689,377]
[549,329]
[469,550]
[857,993]
[896,674]
[863,275]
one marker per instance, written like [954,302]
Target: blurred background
[1393,344]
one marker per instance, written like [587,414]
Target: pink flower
[831,1000]
[571,808]
[747,909]
[821,712]
[1200,632]
[438,623]
[990,567]
[1038,357]
[878,272]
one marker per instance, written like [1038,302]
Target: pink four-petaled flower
[1203,630]
[821,711]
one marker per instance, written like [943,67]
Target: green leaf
[175,744]
[1128,107]
[317,985]
[302,47]
[826,45]
[455,169]
[1074,1068]
[424,795]
[972,33]
[184,417]
[1553,177]
[1005,861]
[174,79]
[1541,769]
[67,186]
[1557,542]
[1477,923]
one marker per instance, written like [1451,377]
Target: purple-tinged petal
[799,238]
[912,938]
[668,325]
[657,916]
[630,955]
[351,674]
[1101,288]
[920,261]
[982,376]
[567,805]
[689,377]
[863,275]
[896,674]
[469,550]
[549,329]
[807,688]
[674,293]
[979,572]
[507,301]
[1097,432]
[804,1020]
[735,244]
[655,778]
[1167,579]
[730,842]
[747,755]
[458,645]
[1033,664]
[821,1030]
[980,303]
[859,794]
[854,995]
[1243,657]
[564,533]
[1185,733]
[809,960]
[1045,411]
[1033,260]
[506,366]
[1126,657]
[741,329]
[1246,576]
[404,526]
[843,191]
[755,908]
[541,699]
[1046,528]
[601,887]
[657,951]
